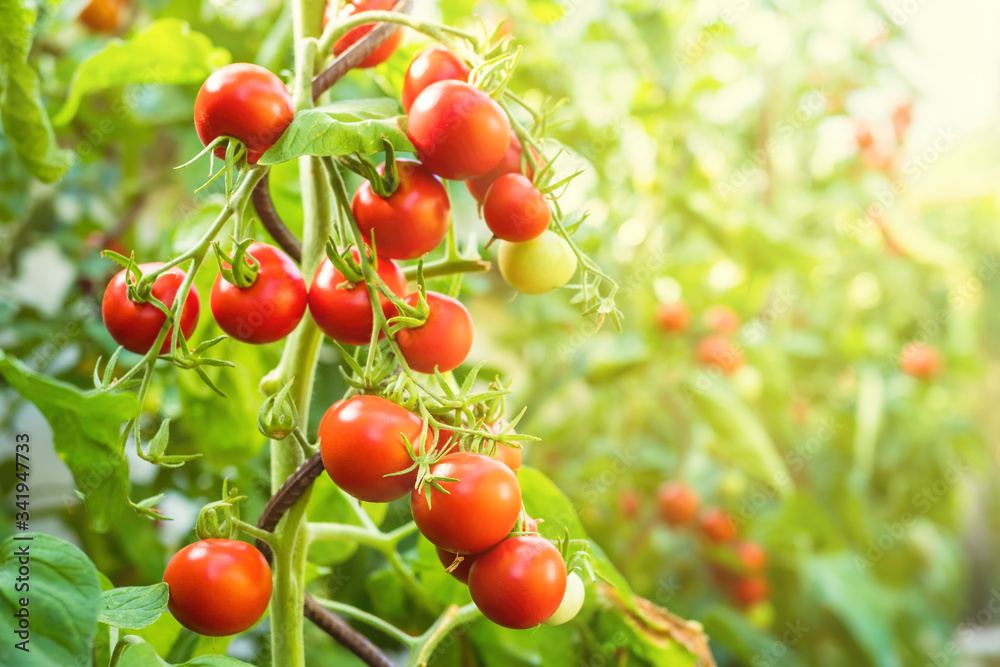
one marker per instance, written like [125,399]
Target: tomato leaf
[22,112]
[168,52]
[133,606]
[144,655]
[63,595]
[342,128]
[85,430]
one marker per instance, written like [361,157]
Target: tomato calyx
[347,265]
[220,519]
[240,269]
[278,416]
[383,186]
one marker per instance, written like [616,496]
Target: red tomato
[722,320]
[751,555]
[443,341]
[510,164]
[379,55]
[477,511]
[718,352]
[630,503]
[716,525]
[673,317]
[920,360]
[461,571]
[431,65]
[361,441]
[678,503]
[459,131]
[529,525]
[218,587]
[103,15]
[748,591]
[519,583]
[244,101]
[509,456]
[515,210]
[411,221]
[270,308]
[345,315]
[135,326]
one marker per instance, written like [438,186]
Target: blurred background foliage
[757,155]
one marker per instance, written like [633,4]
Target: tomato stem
[369,619]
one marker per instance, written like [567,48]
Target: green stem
[441,33]
[370,619]
[448,267]
[453,617]
[254,531]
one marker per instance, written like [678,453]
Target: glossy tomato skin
[383,52]
[244,101]
[716,526]
[515,210]
[103,15]
[920,360]
[510,164]
[433,64]
[443,341]
[218,587]
[270,308]
[519,583]
[411,221]
[361,441]
[677,502]
[461,572]
[716,351]
[539,265]
[459,131]
[135,326]
[673,317]
[345,315]
[478,511]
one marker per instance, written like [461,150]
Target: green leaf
[144,655]
[85,429]
[168,52]
[133,606]
[22,112]
[63,595]
[342,128]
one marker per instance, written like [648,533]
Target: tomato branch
[369,619]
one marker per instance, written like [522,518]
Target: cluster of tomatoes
[738,566]
[465,500]
[716,349]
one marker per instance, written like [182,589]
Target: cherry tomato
[103,15]
[135,326]
[748,591]
[478,510]
[510,164]
[411,221]
[751,556]
[443,341]
[920,360]
[270,308]
[345,315]
[431,65]
[461,571]
[218,587]
[630,503]
[246,102]
[673,317]
[539,265]
[520,582]
[515,210]
[379,55]
[572,601]
[716,525]
[722,320]
[678,503]
[361,442]
[718,352]
[459,131]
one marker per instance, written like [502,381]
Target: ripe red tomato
[459,131]
[718,352]
[751,555]
[103,15]
[539,265]
[461,572]
[510,164]
[379,55]
[218,587]
[722,320]
[515,210]
[270,308]
[246,102]
[135,326]
[716,525]
[748,591]
[443,341]
[411,221]
[345,315]
[678,503]
[519,583]
[673,317]
[920,360]
[477,511]
[431,65]
[361,441]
